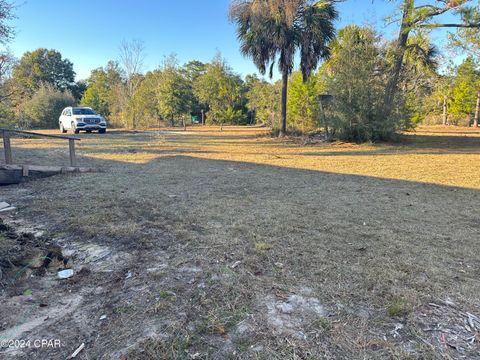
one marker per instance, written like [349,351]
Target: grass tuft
[263,247]
[397,308]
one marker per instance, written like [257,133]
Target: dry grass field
[210,244]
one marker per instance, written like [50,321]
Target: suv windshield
[83,111]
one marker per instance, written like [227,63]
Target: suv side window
[68,112]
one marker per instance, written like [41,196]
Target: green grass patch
[263,247]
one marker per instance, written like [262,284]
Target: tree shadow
[353,240]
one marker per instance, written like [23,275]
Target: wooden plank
[25,170]
[7,147]
[39,168]
[73,159]
[41,135]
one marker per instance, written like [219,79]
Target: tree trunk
[401,47]
[444,110]
[134,121]
[283,118]
[477,110]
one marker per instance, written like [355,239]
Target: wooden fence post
[73,159]
[7,148]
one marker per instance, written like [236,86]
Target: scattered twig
[76,352]
[235,264]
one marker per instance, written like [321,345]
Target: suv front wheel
[74,128]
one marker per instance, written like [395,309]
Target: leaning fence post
[7,148]
[73,159]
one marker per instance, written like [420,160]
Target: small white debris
[364,223]
[279,265]
[235,264]
[129,275]
[103,317]
[394,332]
[257,348]
[76,352]
[450,303]
[285,308]
[65,274]
[4,204]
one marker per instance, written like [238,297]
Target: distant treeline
[35,88]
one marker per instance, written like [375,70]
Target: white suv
[81,118]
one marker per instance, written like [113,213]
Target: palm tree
[273,31]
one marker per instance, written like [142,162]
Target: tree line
[354,83]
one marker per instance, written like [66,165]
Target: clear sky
[89,32]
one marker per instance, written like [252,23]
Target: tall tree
[263,100]
[6,14]
[192,71]
[354,75]
[419,77]
[131,56]
[418,16]
[6,33]
[146,101]
[101,88]
[271,30]
[221,90]
[43,66]
[468,40]
[173,91]
[303,105]
[7,61]
[466,84]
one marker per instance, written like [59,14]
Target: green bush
[352,76]
[7,116]
[45,107]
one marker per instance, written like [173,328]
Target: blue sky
[89,32]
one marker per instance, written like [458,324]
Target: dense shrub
[356,78]
[45,107]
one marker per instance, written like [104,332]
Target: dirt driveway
[226,245]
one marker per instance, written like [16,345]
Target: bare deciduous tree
[6,14]
[7,61]
[131,57]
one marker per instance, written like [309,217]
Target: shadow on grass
[355,241]
[441,142]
